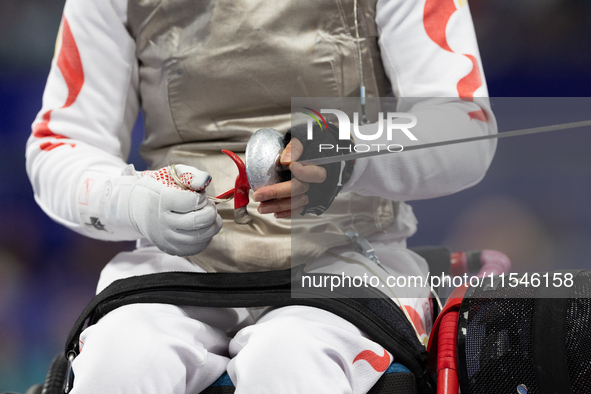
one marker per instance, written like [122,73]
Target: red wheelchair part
[442,344]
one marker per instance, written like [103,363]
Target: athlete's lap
[301,349]
[152,348]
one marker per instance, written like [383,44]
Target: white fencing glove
[179,220]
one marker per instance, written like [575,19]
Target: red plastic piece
[241,187]
[226,194]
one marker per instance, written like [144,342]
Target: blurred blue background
[533,204]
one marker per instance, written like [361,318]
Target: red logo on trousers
[379,363]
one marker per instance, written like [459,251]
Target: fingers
[191,221]
[195,237]
[281,190]
[288,214]
[283,204]
[179,222]
[187,243]
[192,177]
[288,198]
[181,201]
[188,221]
[312,174]
[298,185]
[292,152]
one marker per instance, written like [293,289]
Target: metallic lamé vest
[213,72]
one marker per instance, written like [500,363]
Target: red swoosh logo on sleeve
[70,65]
[379,363]
[436,15]
[468,85]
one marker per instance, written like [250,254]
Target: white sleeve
[429,51]
[90,104]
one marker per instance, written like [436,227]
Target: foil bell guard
[262,168]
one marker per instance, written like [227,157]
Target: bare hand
[288,198]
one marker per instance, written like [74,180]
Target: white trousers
[165,349]
[161,349]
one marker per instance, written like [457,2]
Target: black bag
[531,338]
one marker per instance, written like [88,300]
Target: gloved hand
[179,222]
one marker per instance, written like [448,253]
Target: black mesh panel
[508,338]
[498,343]
[395,383]
[578,335]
